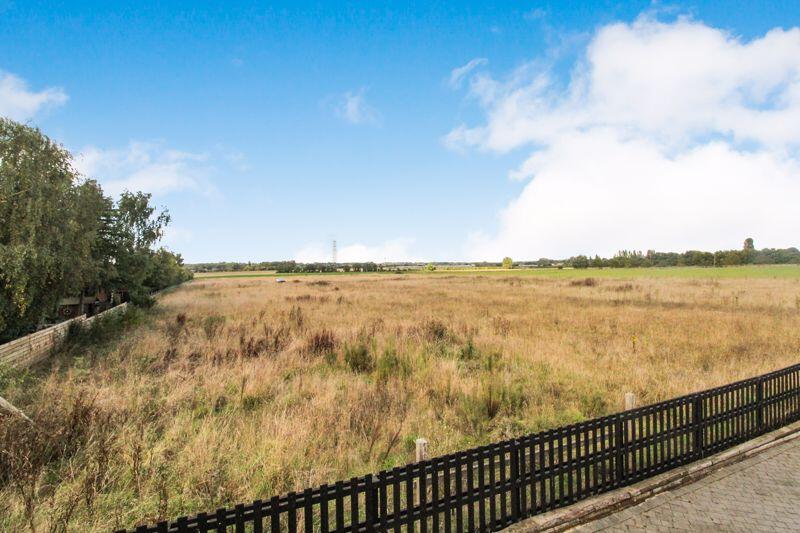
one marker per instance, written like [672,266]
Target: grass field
[232,389]
[747,271]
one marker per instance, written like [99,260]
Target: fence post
[515,481]
[697,422]
[630,401]
[371,502]
[421,455]
[422,449]
[619,444]
[760,404]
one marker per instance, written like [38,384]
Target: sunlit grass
[236,389]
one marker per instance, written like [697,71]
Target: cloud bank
[665,135]
[18,102]
[148,167]
[397,250]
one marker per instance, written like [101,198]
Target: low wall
[31,349]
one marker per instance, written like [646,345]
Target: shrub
[174,329]
[585,282]
[390,364]
[359,358]
[495,397]
[468,352]
[297,317]
[212,325]
[435,331]
[321,343]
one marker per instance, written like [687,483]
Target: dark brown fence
[491,487]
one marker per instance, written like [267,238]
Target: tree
[508,263]
[580,261]
[47,226]
[60,235]
[749,245]
[134,229]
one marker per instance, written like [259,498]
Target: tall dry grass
[231,390]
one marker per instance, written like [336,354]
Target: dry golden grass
[236,389]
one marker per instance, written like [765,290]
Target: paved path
[761,493]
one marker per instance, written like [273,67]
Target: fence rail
[494,486]
[30,349]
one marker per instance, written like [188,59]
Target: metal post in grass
[422,449]
[421,455]
[630,401]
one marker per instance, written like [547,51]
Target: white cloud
[666,135]
[536,14]
[353,108]
[458,74]
[18,102]
[175,237]
[395,250]
[148,167]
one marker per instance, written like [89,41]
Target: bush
[435,331]
[469,352]
[212,325]
[586,282]
[391,364]
[359,358]
[321,343]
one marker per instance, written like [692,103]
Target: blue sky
[269,128]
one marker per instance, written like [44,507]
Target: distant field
[238,388]
[748,271]
[238,274]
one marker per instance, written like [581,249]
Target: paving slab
[760,493]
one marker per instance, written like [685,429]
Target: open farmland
[233,389]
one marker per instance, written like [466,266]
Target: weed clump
[468,352]
[322,342]
[435,331]
[359,358]
[297,317]
[585,282]
[390,364]
[212,325]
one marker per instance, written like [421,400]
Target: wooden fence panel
[31,349]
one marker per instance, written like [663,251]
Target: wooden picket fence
[493,486]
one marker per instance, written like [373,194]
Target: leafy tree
[508,262]
[45,233]
[134,229]
[580,261]
[60,235]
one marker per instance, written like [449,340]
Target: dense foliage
[285,267]
[60,235]
[748,255]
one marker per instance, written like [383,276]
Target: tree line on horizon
[748,255]
[60,235]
